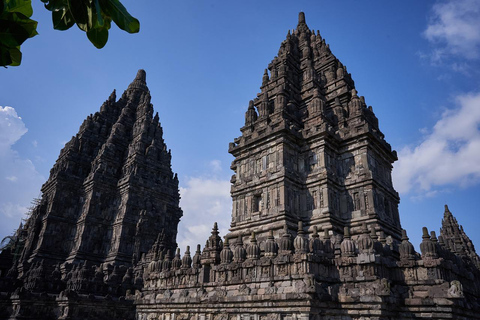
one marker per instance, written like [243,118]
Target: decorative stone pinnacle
[141,75]
[404,235]
[425,233]
[346,232]
[301,18]
[113,95]
[140,81]
[300,227]
[447,211]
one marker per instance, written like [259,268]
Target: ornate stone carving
[455,290]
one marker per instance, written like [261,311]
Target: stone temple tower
[311,150]
[111,192]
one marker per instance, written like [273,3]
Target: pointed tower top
[302,25]
[447,211]
[140,81]
[301,18]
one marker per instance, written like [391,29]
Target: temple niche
[315,230]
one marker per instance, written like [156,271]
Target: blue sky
[416,62]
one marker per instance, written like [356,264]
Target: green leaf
[5,58]
[10,56]
[98,10]
[81,13]
[120,15]
[98,36]
[62,19]
[15,28]
[22,6]
[16,56]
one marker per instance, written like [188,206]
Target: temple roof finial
[140,81]
[301,18]
[141,75]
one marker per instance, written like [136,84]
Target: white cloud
[12,127]
[454,29]
[13,211]
[449,155]
[203,201]
[216,166]
[19,181]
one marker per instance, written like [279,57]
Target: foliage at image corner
[92,16]
[15,27]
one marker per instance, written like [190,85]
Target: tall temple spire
[319,165]
[96,204]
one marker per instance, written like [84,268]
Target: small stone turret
[271,247]
[196,260]
[240,252]
[253,250]
[364,241]
[347,246]
[316,245]
[285,245]
[226,256]
[428,248]
[167,263]
[213,247]
[177,261]
[300,243]
[186,260]
[406,249]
